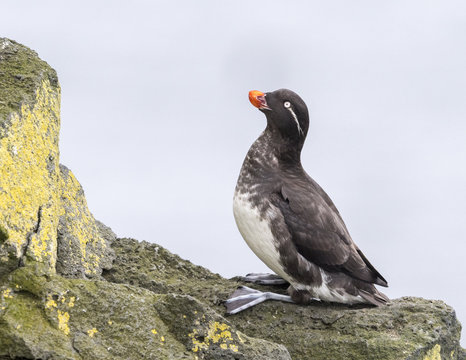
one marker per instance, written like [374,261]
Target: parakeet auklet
[290,223]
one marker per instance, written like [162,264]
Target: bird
[291,223]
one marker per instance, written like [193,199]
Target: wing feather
[319,233]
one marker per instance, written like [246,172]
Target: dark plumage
[289,221]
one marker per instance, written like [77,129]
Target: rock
[152,267]
[83,244]
[29,127]
[43,211]
[48,316]
[69,289]
[408,328]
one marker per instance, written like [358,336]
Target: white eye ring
[287,104]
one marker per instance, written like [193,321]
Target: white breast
[257,233]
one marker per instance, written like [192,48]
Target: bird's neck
[285,151]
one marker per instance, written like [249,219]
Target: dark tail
[374,296]
[379,280]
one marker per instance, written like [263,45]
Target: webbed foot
[245,297]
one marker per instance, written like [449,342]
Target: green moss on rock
[3,234]
[21,74]
[408,328]
[48,316]
[26,332]
[155,268]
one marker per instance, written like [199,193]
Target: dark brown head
[287,116]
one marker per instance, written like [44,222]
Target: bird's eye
[287,104]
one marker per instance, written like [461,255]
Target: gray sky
[156,120]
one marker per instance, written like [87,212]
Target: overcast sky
[156,120]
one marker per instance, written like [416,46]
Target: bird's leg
[264,279]
[245,297]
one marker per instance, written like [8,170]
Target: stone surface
[155,268]
[69,289]
[409,328]
[48,316]
[42,205]
[29,128]
[83,244]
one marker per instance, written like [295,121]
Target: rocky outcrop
[69,289]
[43,211]
[408,328]
[50,317]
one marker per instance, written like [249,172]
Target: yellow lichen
[50,302]
[162,338]
[92,332]
[34,194]
[434,353]
[80,223]
[7,294]
[218,333]
[63,318]
[153,331]
[28,162]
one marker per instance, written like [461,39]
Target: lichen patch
[217,333]
[92,332]
[7,293]
[434,353]
[24,153]
[51,303]
[63,319]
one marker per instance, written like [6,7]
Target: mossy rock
[44,216]
[408,328]
[21,74]
[45,316]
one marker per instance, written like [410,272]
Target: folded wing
[319,233]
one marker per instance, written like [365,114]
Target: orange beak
[257,98]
